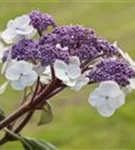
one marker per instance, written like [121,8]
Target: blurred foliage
[77,125]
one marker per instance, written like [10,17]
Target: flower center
[107,97]
[17,28]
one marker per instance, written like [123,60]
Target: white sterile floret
[18,29]
[81,82]
[21,75]
[107,98]
[46,76]
[70,73]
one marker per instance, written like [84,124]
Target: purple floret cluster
[79,41]
[41,21]
[25,50]
[115,70]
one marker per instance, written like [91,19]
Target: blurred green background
[76,124]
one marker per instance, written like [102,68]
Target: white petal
[13,73]
[32,34]
[10,24]
[109,88]
[16,29]
[60,69]
[70,83]
[3,87]
[95,99]
[29,79]
[106,112]
[22,21]
[73,71]
[81,83]
[75,60]
[24,66]
[17,85]
[118,101]
[25,31]
[9,35]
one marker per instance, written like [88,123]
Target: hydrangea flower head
[71,55]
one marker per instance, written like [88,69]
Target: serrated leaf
[33,144]
[46,115]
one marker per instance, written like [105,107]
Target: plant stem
[36,90]
[20,111]
[42,96]
[27,106]
[24,122]
[30,114]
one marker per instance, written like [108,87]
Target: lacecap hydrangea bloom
[43,62]
[72,54]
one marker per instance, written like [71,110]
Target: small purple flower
[86,52]
[25,50]
[73,35]
[48,54]
[41,21]
[110,69]
[106,47]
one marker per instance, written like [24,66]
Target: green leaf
[46,114]
[2,115]
[33,144]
